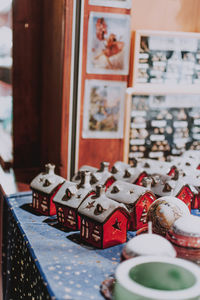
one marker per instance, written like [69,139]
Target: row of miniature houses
[81,205]
[103,218]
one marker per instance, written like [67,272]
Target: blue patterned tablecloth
[42,261]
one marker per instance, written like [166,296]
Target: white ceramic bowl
[157,278]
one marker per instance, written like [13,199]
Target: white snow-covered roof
[124,192]
[71,194]
[131,174]
[99,209]
[119,167]
[76,177]
[169,188]
[46,182]
[152,166]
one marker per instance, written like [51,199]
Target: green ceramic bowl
[157,278]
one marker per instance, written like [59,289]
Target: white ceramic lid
[149,244]
[187,226]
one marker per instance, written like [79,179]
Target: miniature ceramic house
[118,169]
[176,188]
[152,166]
[134,175]
[137,199]
[102,176]
[103,221]
[44,187]
[69,198]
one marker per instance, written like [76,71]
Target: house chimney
[85,180]
[104,166]
[50,169]
[100,190]
[147,181]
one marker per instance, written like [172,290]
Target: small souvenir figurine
[44,187]
[164,212]
[148,244]
[103,221]
[69,198]
[136,198]
[185,237]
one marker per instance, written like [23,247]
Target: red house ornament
[69,198]
[44,187]
[137,200]
[103,221]
[176,188]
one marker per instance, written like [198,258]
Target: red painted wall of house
[69,216]
[139,216]
[186,196]
[111,235]
[140,178]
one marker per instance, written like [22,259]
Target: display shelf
[159,123]
[166,58]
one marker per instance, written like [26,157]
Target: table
[43,261]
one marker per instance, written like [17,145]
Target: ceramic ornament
[148,244]
[69,198]
[164,212]
[185,236]
[137,200]
[157,278]
[104,221]
[44,187]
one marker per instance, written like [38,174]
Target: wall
[175,15]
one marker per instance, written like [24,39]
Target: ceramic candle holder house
[164,212]
[175,188]
[44,187]
[104,221]
[137,199]
[69,198]
[185,237]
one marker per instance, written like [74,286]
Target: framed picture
[166,58]
[103,109]
[112,3]
[161,124]
[108,43]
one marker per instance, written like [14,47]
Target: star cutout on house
[90,204]
[116,225]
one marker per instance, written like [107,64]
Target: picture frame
[166,58]
[103,116]
[108,44]
[160,123]
[112,3]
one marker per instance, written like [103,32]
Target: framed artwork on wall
[108,43]
[103,109]
[112,3]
